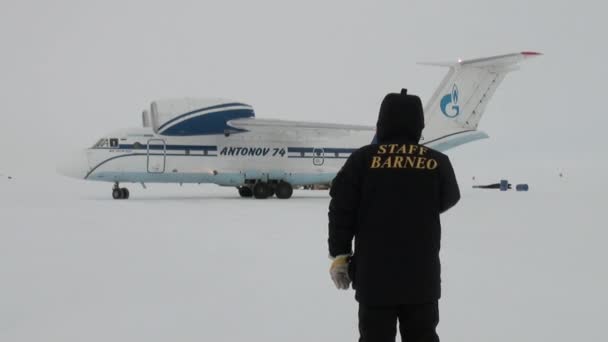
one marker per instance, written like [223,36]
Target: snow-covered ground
[197,263]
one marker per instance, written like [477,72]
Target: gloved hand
[339,272]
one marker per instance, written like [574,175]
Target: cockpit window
[101,143]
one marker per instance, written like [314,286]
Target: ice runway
[197,263]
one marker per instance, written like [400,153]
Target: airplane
[220,141]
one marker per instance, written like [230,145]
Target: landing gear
[245,191]
[120,193]
[284,190]
[262,190]
[116,194]
[125,193]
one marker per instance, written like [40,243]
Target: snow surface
[197,263]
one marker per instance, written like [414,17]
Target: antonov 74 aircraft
[218,141]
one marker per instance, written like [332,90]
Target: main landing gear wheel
[284,190]
[245,191]
[261,190]
[116,194]
[125,193]
[120,193]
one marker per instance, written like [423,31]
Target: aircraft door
[318,156]
[157,151]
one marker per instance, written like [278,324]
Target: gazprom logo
[449,103]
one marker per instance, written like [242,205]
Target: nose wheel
[120,193]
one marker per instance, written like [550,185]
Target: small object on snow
[490,186]
[504,185]
[521,187]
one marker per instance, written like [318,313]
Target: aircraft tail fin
[460,100]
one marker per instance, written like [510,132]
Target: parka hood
[401,118]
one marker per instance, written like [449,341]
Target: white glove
[339,272]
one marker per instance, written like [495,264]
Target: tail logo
[452,98]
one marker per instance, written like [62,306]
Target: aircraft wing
[283,127]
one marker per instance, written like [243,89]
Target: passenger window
[113,142]
[137,146]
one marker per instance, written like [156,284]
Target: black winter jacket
[388,197]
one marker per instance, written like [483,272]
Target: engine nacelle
[145,118]
[190,116]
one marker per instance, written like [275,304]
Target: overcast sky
[70,71]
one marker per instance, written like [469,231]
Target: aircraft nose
[76,166]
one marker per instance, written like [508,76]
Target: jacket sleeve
[344,205]
[449,191]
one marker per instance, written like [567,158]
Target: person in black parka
[388,197]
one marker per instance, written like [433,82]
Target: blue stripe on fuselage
[169,147]
[325,149]
[313,157]
[144,155]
